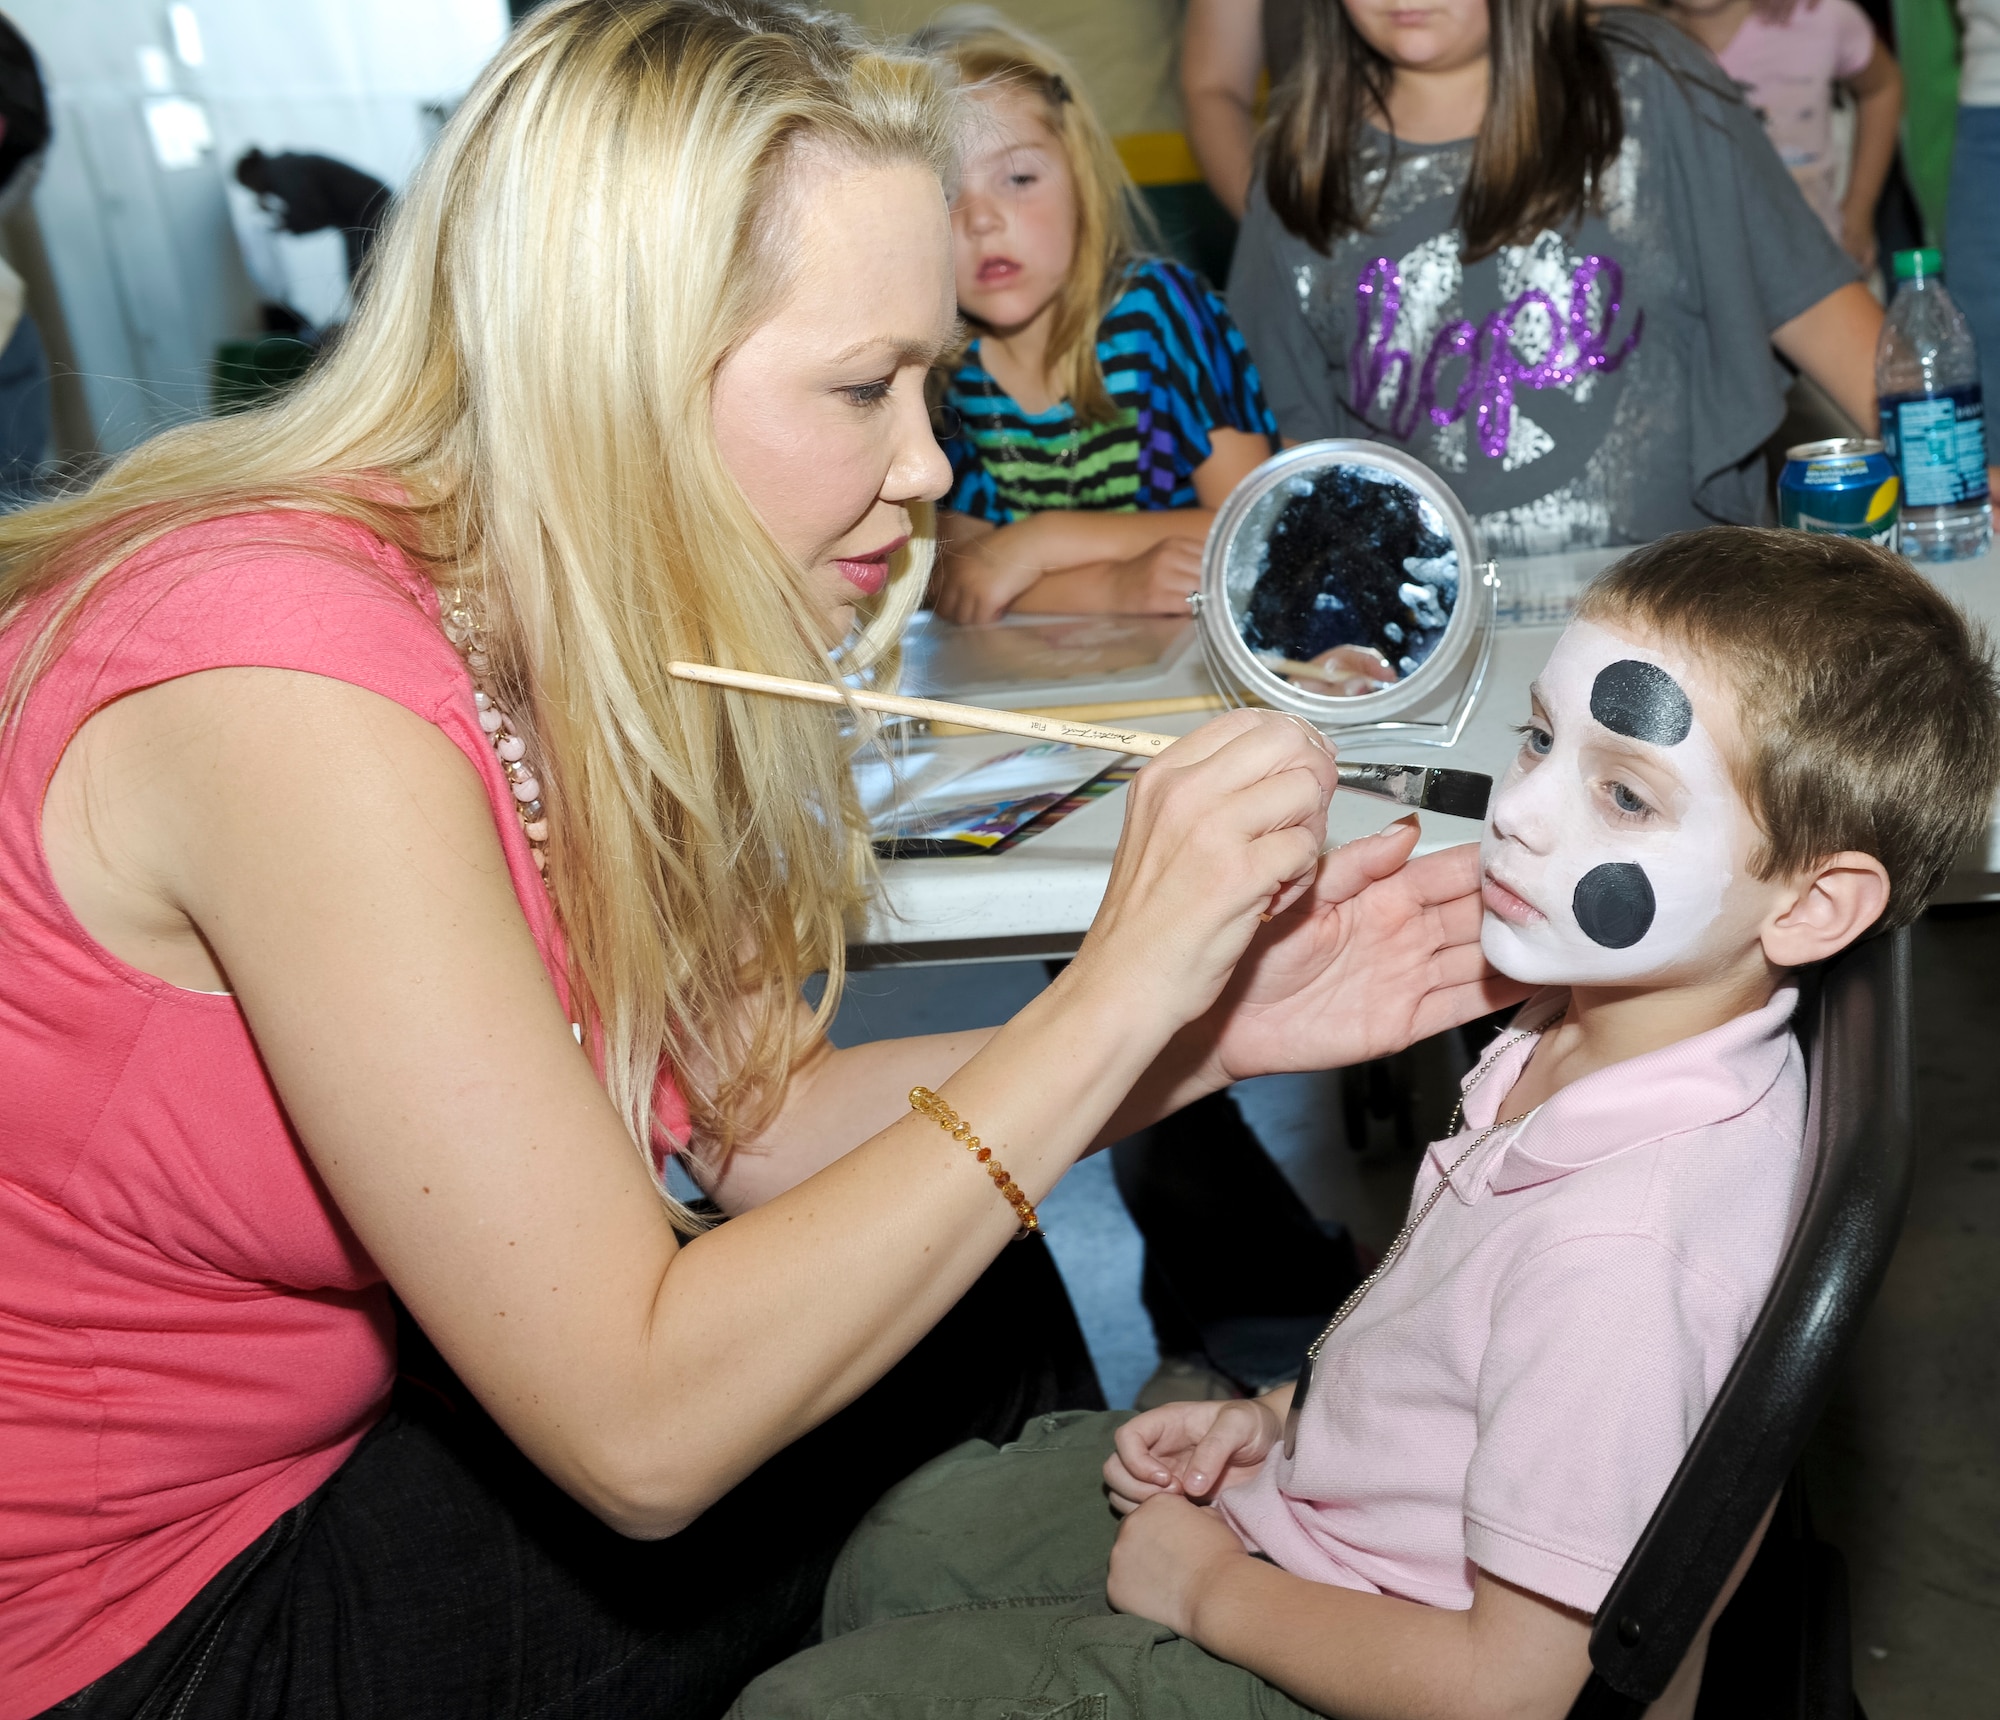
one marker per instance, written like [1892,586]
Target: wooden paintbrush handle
[977,717]
[1115,712]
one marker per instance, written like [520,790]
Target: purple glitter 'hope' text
[1492,367]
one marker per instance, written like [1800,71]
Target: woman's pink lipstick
[869,573]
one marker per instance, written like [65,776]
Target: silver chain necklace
[991,416]
[1395,1249]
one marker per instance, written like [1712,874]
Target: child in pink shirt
[1787,56]
[1750,748]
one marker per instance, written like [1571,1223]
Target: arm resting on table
[1069,561]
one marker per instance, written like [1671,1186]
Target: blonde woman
[374,910]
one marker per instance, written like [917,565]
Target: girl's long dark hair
[1552,129]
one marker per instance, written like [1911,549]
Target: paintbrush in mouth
[1458,793]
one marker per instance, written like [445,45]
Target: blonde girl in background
[1103,404]
[376,913]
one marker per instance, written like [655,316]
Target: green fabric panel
[1927,49]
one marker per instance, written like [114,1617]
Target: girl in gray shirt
[1551,254]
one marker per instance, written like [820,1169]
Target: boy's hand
[1166,1554]
[1195,1449]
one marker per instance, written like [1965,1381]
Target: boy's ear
[1831,904]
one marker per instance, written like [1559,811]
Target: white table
[1038,898]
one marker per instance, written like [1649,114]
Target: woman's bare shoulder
[172,794]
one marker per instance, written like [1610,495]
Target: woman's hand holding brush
[1222,829]
[1221,910]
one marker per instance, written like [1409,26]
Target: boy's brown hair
[1868,704]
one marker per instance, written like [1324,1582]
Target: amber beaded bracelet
[928,1104]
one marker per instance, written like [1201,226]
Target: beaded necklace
[465,627]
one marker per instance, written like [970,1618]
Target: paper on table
[934,795]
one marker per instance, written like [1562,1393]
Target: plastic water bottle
[1933,419]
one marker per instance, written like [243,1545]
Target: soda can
[1845,485]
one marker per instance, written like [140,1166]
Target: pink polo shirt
[1518,1389]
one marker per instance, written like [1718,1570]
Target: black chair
[1780,1649]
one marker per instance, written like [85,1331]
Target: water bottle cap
[1919,265]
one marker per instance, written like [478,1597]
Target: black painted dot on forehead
[1641,701]
[1614,904]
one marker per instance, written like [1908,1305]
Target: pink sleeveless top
[191,1338]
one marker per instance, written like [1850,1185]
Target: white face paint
[1613,839]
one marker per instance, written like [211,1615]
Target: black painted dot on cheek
[1643,702]
[1614,904]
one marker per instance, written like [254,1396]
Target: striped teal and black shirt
[1176,369]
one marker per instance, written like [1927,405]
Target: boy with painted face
[1618,833]
[1750,748]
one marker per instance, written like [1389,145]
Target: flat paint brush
[1459,793]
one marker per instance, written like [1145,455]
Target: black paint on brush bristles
[1458,793]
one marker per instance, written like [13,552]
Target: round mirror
[1342,581]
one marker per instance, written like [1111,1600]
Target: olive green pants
[975,1591]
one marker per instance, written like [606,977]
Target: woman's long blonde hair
[1112,227]
[529,369]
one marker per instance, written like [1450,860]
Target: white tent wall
[157,254]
